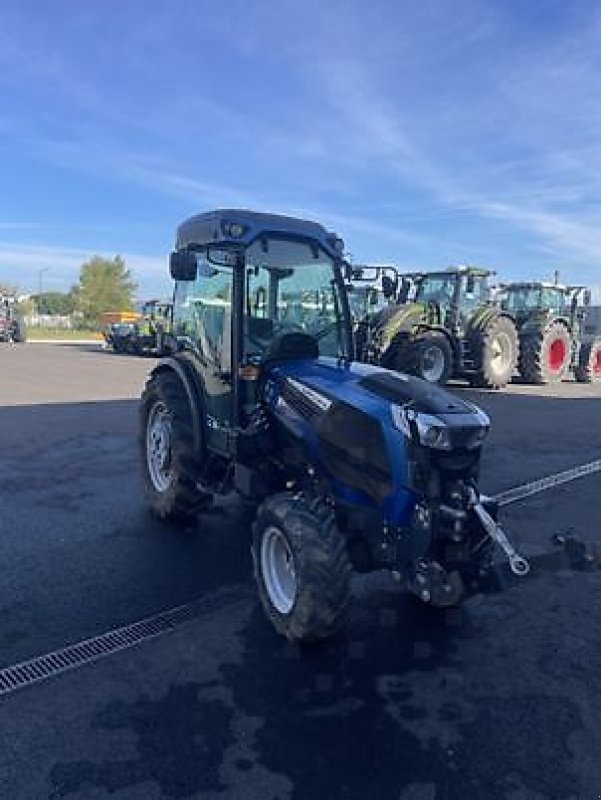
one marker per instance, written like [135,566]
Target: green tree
[8,289]
[56,303]
[105,284]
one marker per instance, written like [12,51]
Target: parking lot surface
[500,700]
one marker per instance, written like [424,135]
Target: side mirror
[389,287]
[182,265]
[405,289]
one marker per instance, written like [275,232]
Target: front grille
[300,402]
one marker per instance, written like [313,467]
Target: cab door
[202,320]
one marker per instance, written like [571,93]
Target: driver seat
[290,346]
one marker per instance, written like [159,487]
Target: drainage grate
[46,666]
[544,484]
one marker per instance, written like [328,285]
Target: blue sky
[426,133]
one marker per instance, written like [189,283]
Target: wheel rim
[277,568]
[501,351]
[158,447]
[558,352]
[433,364]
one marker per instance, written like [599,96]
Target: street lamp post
[40,272]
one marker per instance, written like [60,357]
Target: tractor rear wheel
[545,356]
[498,349]
[428,356]
[169,464]
[588,369]
[301,566]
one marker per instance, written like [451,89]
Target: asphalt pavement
[499,700]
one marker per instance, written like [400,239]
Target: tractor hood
[314,388]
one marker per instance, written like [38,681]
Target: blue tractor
[351,466]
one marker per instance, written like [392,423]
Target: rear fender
[538,323]
[404,336]
[483,317]
[403,322]
[182,366]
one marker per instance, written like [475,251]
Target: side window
[474,291]
[203,314]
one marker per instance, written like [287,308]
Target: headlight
[432,433]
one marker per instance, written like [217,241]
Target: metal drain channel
[518,493]
[75,655]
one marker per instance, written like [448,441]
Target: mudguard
[395,321]
[182,365]
[538,321]
[482,319]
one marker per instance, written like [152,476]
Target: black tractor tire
[588,369]
[429,356]
[299,530]
[545,356]
[497,349]
[171,484]
[20,334]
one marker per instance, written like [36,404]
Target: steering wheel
[287,327]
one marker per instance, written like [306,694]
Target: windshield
[364,300]
[528,298]
[439,289]
[291,286]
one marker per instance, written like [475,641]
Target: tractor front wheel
[429,356]
[301,566]
[588,369]
[545,356]
[169,464]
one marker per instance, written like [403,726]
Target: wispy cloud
[426,134]
[20,263]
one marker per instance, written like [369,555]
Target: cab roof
[460,269]
[219,227]
[536,285]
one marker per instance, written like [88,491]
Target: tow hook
[517,563]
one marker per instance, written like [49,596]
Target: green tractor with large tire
[549,318]
[450,328]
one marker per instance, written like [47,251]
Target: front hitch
[517,563]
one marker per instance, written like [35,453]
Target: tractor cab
[524,300]
[253,288]
[457,293]
[372,288]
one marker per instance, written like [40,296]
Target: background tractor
[153,330]
[444,324]
[148,332]
[351,466]
[370,290]
[549,318]
[12,324]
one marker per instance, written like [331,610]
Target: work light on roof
[234,229]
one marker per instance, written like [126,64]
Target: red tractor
[549,318]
